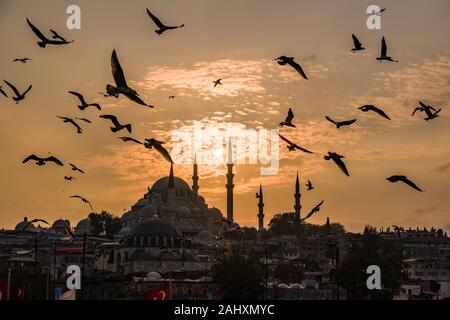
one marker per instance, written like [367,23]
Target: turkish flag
[160,293]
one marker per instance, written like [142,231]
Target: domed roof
[142,202]
[155,276]
[25,225]
[124,231]
[84,224]
[163,183]
[204,234]
[60,223]
[183,210]
[155,227]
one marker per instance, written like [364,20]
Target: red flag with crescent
[160,293]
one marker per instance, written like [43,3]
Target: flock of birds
[121,87]
[430,112]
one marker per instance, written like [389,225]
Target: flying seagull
[292,146]
[337,158]
[23,60]
[384,55]
[314,210]
[171,97]
[116,123]
[309,185]
[405,180]
[56,38]
[19,96]
[428,110]
[217,82]
[341,123]
[75,168]
[129,139]
[84,119]
[162,27]
[358,44]
[368,107]
[84,105]
[150,143]
[121,84]
[34,221]
[283,60]
[288,121]
[72,122]
[82,199]
[42,161]
[3,92]
[69,178]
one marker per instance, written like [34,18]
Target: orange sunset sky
[236,41]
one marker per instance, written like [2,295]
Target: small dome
[204,234]
[25,225]
[60,223]
[283,286]
[183,210]
[124,231]
[163,184]
[85,224]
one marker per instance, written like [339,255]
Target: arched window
[149,240]
[156,241]
[141,240]
[165,241]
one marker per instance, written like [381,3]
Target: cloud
[239,77]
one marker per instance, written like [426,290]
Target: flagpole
[8,284]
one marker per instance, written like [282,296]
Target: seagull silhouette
[309,185]
[404,179]
[162,27]
[341,123]
[283,60]
[358,45]
[75,168]
[42,161]
[153,143]
[121,84]
[84,105]
[116,123]
[288,121]
[19,96]
[23,60]
[171,97]
[337,158]
[3,92]
[384,56]
[83,199]
[56,39]
[369,107]
[72,122]
[217,82]
[428,111]
[129,139]
[84,119]
[313,210]
[34,221]
[69,178]
[292,146]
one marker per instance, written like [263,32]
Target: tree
[104,223]
[240,275]
[371,250]
[284,223]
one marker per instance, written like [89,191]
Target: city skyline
[219,41]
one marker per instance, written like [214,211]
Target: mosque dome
[25,225]
[163,184]
[154,227]
[154,276]
[205,235]
[124,231]
[60,223]
[84,227]
[183,210]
